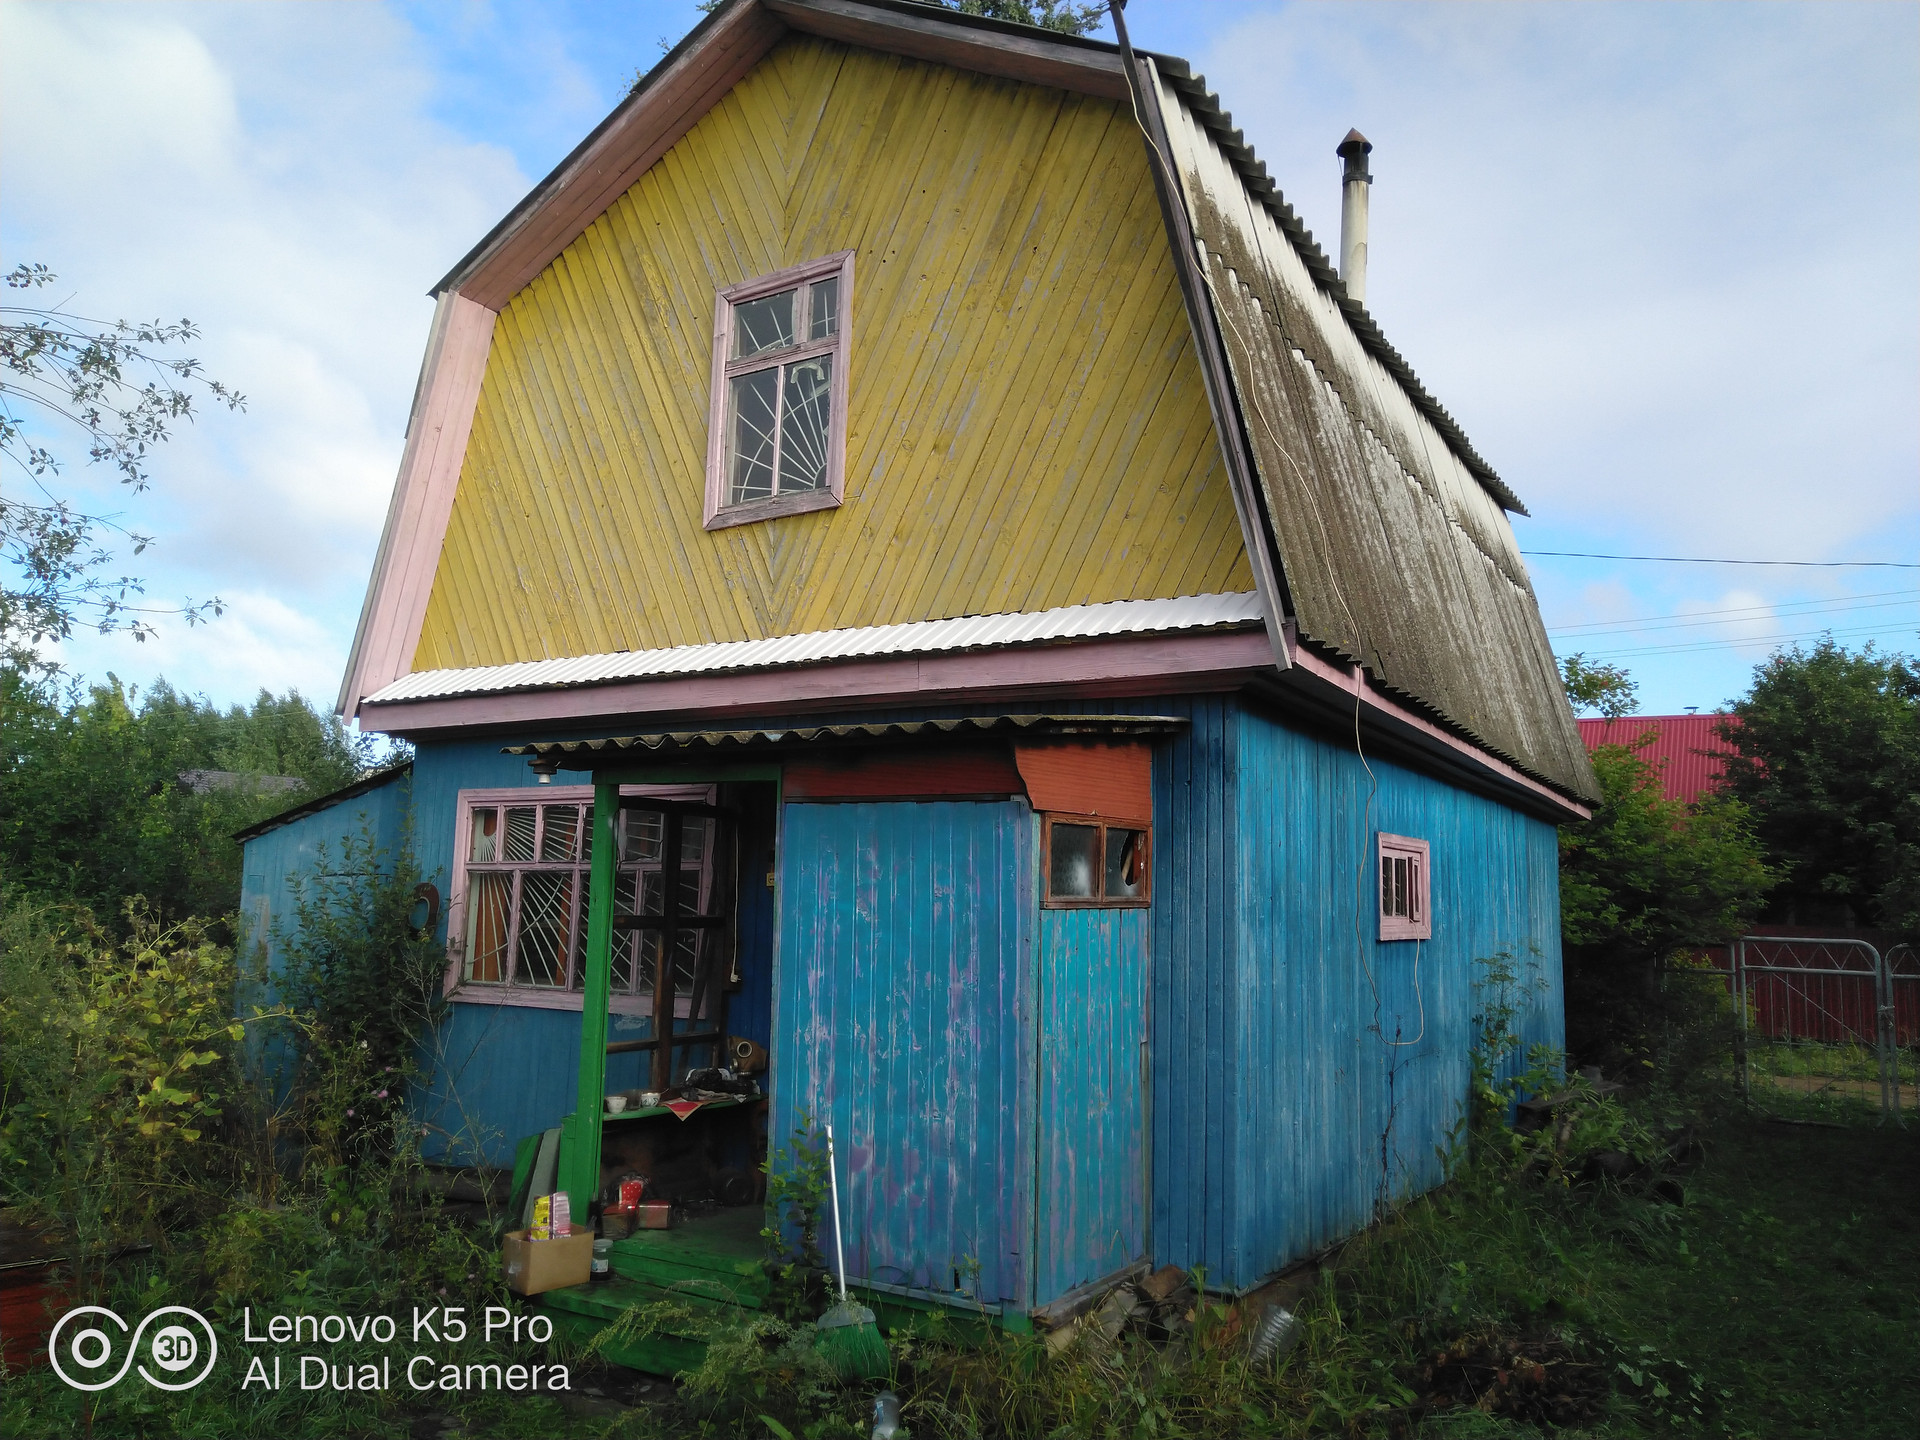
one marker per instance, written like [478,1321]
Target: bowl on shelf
[616,1103]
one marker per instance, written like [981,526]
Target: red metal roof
[1684,748]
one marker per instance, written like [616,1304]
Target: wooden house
[908,555]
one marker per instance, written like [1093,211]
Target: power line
[1874,631]
[1703,560]
[1794,610]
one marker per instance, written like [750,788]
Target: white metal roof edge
[919,637]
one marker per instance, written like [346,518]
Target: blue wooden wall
[904,1017]
[271,862]
[1344,1060]
[1091,1150]
[1285,1105]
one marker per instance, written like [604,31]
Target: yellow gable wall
[1026,425]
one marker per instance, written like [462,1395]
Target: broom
[848,1337]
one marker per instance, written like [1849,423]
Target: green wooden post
[580,1165]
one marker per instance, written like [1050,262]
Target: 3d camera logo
[176,1341]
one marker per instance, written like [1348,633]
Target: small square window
[1091,863]
[1405,889]
[777,435]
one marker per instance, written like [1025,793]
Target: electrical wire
[1709,560]
[1687,647]
[1788,610]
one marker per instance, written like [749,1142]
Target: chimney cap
[1355,144]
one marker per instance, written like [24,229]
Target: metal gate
[1826,1018]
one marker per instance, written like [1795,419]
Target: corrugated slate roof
[921,637]
[1392,539]
[861,733]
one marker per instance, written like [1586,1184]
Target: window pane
[546,928]
[750,435]
[519,836]
[649,965]
[803,426]
[763,324]
[686,959]
[1413,888]
[645,830]
[689,896]
[485,844]
[488,907]
[824,319]
[696,832]
[1126,864]
[562,829]
[624,941]
[579,956]
[653,893]
[1386,884]
[1070,872]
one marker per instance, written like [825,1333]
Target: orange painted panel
[1111,779]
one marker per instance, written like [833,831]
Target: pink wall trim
[1351,679]
[1131,664]
[396,604]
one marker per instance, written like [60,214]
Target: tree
[1606,688]
[93,807]
[1827,757]
[1644,884]
[1061,15]
[112,384]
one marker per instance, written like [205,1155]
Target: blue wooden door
[904,1016]
[1092,1100]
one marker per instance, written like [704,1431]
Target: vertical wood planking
[1026,426]
[905,1010]
[1092,980]
[1319,1086]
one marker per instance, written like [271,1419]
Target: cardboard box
[535,1266]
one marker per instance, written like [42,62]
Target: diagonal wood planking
[1026,425]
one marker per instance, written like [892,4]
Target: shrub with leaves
[1644,886]
[118,1069]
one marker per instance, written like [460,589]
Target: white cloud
[276,173]
[1657,260]
[260,642]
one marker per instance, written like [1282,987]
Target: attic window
[777,427]
[1405,884]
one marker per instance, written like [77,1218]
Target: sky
[1659,262]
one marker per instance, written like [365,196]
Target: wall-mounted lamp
[544,766]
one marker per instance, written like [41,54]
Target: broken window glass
[1126,864]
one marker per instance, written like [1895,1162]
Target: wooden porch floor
[699,1268]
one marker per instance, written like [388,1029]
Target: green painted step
[715,1257]
[654,1354]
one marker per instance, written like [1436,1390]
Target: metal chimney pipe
[1353,214]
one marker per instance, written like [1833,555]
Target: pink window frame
[1419,926]
[537,997]
[719,514]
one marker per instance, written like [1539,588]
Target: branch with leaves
[112,384]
